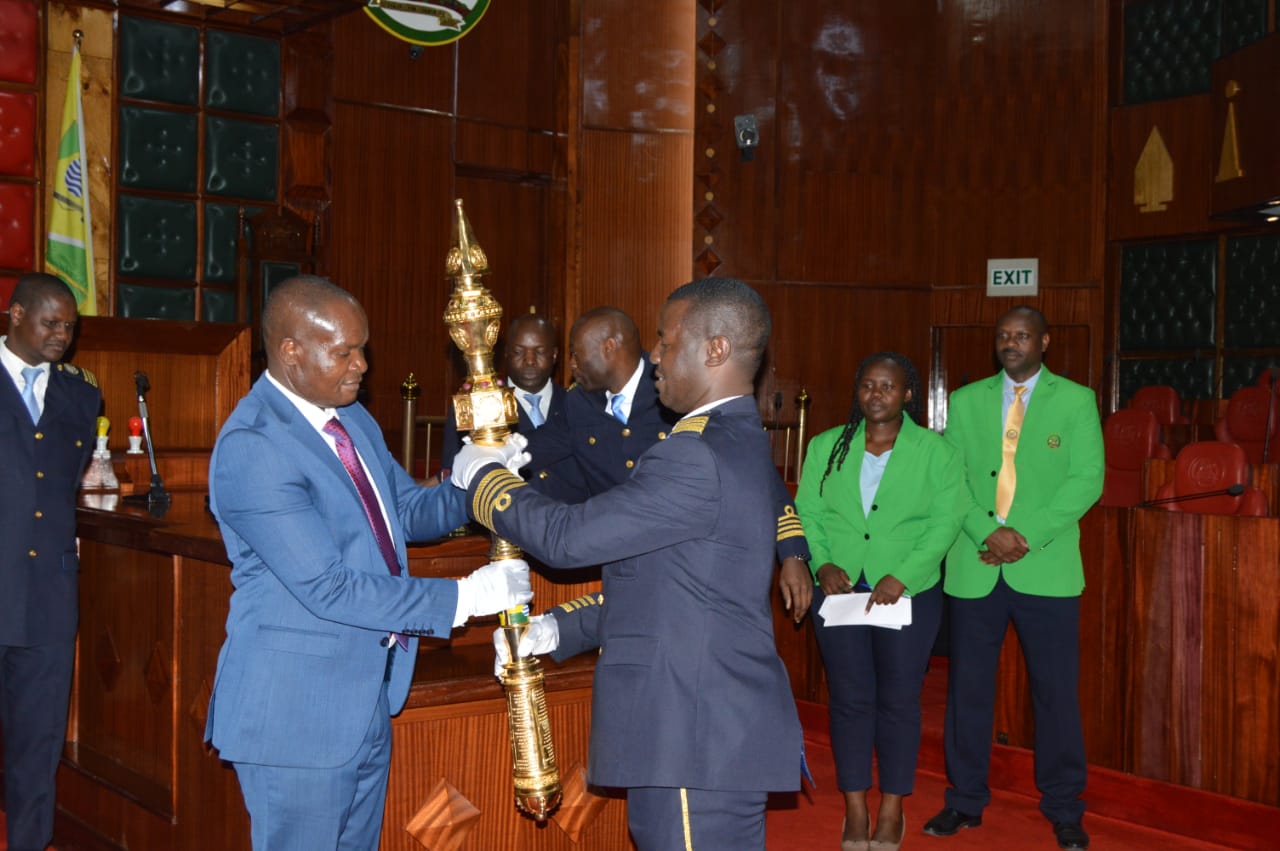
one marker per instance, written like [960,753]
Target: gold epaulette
[789,524]
[693,424]
[71,369]
[583,601]
[494,494]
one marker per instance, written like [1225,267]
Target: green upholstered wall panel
[134,301]
[242,73]
[1242,372]
[1253,292]
[159,61]
[220,240]
[1168,47]
[1243,22]
[240,158]
[158,149]
[1192,378]
[1167,295]
[156,238]
[217,305]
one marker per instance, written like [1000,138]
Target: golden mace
[487,409]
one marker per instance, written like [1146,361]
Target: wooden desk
[136,772]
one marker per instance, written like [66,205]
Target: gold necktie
[1007,483]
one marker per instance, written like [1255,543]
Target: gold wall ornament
[1153,175]
[1229,161]
[486,408]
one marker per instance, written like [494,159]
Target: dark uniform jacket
[452,441]
[39,476]
[689,690]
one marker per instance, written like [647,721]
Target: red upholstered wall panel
[18,41]
[17,133]
[17,211]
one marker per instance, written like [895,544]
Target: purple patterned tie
[369,499]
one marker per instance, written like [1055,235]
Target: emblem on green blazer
[427,22]
[1054,441]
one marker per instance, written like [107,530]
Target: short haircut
[535,320]
[35,288]
[307,292]
[727,307]
[1028,312]
[615,322]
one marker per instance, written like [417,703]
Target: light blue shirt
[1009,384]
[869,478]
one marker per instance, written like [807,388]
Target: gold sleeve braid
[494,494]
[789,524]
[583,602]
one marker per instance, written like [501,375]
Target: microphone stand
[157,497]
[1231,490]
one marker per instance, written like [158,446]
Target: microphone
[1231,490]
[157,496]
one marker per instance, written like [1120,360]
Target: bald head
[315,334]
[604,349]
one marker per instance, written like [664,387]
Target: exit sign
[1018,276]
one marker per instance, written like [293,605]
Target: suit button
[542,475]
[39,474]
[31,553]
[591,441]
[866,537]
[991,514]
[630,463]
[79,443]
[994,474]
[385,642]
[39,514]
[429,632]
[39,435]
[875,507]
[626,432]
[662,435]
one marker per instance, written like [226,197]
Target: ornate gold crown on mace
[487,409]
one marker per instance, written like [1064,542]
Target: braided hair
[911,408]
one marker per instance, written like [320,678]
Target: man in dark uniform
[691,712]
[47,415]
[612,415]
[530,357]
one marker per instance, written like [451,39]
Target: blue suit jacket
[39,601]
[689,690]
[304,659]
[452,441]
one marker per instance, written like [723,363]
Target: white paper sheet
[850,610]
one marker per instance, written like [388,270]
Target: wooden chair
[1129,438]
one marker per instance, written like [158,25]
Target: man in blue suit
[320,645]
[692,711]
[530,353]
[47,414]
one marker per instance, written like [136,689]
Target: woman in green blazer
[881,499]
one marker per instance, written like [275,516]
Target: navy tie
[615,408]
[30,374]
[369,499]
[535,411]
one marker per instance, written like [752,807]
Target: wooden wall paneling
[734,200]
[638,83]
[1019,106]
[856,151]
[636,220]
[519,41]
[821,333]
[1253,75]
[392,226]
[306,140]
[372,66]
[208,792]
[1105,545]
[1184,125]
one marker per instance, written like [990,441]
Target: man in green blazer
[1018,560]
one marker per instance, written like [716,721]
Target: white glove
[472,457]
[496,587]
[541,636]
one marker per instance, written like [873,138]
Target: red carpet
[810,821]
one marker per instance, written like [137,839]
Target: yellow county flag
[69,253]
